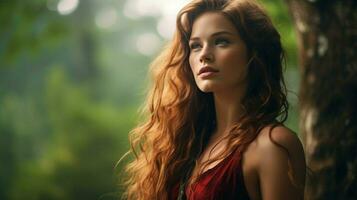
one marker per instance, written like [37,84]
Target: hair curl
[180,118]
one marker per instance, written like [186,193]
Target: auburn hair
[179,118]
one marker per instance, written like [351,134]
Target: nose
[206,55]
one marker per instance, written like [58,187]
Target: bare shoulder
[270,138]
[280,164]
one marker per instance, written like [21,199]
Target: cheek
[235,60]
[192,63]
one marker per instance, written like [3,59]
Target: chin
[206,88]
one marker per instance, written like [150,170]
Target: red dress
[222,182]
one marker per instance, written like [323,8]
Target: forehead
[211,22]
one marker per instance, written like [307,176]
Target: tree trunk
[86,61]
[327,32]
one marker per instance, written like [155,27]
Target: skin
[215,42]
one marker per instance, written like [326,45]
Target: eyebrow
[214,34]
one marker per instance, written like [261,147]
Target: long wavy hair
[179,118]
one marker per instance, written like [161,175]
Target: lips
[207,69]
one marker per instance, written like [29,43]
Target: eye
[195,45]
[222,41]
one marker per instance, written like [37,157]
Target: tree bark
[327,32]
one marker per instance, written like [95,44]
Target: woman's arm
[274,166]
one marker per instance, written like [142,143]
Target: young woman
[215,113]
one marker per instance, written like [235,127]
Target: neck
[228,110]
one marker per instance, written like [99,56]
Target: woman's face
[218,56]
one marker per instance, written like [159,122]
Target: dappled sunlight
[106,18]
[166,26]
[165,11]
[147,44]
[66,7]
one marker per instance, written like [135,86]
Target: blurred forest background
[72,76]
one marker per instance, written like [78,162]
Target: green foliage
[282,19]
[25,31]
[84,142]
[278,11]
